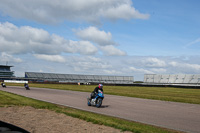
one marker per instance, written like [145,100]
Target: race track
[172,115]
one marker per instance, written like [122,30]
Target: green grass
[8,99]
[184,95]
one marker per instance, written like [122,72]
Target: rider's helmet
[100,86]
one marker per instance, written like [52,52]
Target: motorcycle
[3,85]
[97,100]
[27,87]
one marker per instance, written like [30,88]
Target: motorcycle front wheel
[99,102]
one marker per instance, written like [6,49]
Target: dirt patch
[43,120]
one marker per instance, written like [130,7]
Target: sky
[101,37]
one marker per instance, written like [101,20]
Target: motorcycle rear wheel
[88,103]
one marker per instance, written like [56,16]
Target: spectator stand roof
[80,78]
[172,79]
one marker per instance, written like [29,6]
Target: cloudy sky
[101,37]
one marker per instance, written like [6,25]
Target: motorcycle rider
[93,94]
[3,84]
[26,86]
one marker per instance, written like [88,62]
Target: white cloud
[82,47]
[25,39]
[86,48]
[173,63]
[112,72]
[95,35]
[185,66]
[102,39]
[124,11]
[88,64]
[159,70]
[193,42]
[154,62]
[140,70]
[4,57]
[45,11]
[104,65]
[53,58]
[110,50]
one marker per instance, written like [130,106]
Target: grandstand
[75,78]
[172,78]
[5,71]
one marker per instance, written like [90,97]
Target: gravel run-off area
[46,121]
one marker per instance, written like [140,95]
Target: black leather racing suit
[93,94]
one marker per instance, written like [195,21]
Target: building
[172,78]
[5,71]
[75,78]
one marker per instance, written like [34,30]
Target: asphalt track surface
[172,115]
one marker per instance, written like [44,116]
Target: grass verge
[184,95]
[8,99]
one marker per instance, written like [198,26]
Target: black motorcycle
[3,85]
